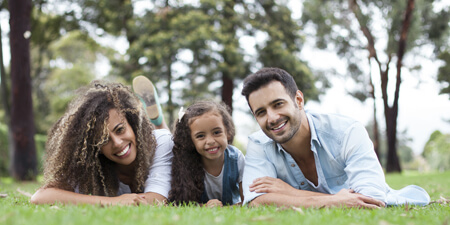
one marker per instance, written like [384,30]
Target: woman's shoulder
[164,140]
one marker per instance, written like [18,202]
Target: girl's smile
[209,136]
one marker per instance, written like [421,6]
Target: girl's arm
[54,195]
[154,198]
[241,192]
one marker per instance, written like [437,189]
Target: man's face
[278,116]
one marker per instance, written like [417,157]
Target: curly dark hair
[73,159]
[187,169]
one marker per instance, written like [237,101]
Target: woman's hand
[127,199]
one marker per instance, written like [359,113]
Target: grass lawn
[16,209]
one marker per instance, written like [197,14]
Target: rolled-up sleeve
[256,165]
[159,178]
[365,174]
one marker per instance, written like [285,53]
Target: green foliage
[4,150]
[16,209]
[437,151]
[283,45]
[444,72]
[71,62]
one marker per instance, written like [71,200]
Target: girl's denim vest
[230,184]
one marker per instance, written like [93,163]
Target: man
[307,159]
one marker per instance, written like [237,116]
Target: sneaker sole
[145,90]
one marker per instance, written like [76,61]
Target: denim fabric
[230,184]
[344,158]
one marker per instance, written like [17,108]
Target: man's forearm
[315,200]
[344,198]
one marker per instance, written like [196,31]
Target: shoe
[146,92]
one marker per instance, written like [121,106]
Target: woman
[104,150]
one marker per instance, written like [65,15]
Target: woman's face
[121,146]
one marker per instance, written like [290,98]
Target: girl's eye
[200,136]
[217,132]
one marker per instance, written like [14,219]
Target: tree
[437,151]
[47,28]
[444,72]
[283,45]
[22,122]
[232,65]
[349,27]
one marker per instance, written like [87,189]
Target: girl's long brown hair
[187,169]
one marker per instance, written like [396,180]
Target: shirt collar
[314,137]
[312,128]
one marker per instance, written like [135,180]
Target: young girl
[206,168]
[104,150]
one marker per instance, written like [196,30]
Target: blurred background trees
[203,49]
[382,33]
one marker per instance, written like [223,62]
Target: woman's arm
[55,195]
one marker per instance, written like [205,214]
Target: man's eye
[260,113]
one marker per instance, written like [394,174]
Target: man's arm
[364,172]
[344,198]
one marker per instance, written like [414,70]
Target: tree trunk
[23,158]
[376,136]
[170,106]
[228,27]
[392,162]
[227,91]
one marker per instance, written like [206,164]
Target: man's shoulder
[329,122]
[259,137]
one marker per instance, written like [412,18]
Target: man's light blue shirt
[344,156]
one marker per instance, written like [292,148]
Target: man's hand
[348,198]
[271,185]
[213,203]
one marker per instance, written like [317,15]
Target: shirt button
[293,165]
[302,183]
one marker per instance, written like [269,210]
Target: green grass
[16,209]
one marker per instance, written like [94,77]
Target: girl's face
[209,136]
[121,146]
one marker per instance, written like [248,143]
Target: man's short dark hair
[264,76]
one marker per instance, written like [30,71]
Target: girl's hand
[129,199]
[213,203]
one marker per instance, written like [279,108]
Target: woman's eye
[120,130]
